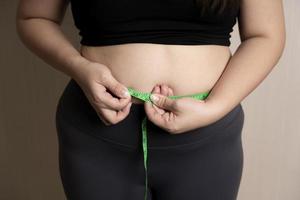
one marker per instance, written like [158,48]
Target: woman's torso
[187,69]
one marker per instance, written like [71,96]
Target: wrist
[217,108]
[75,65]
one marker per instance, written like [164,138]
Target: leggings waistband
[74,108]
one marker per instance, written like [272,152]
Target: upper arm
[263,18]
[53,10]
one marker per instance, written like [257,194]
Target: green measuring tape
[145,96]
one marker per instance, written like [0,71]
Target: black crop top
[109,22]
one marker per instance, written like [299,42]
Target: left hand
[178,115]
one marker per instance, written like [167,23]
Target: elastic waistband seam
[92,133]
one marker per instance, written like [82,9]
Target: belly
[187,69]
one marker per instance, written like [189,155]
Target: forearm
[46,39]
[247,68]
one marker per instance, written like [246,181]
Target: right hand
[95,80]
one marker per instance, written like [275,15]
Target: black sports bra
[110,22]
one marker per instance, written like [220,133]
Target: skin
[104,72]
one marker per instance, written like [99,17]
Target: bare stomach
[187,69]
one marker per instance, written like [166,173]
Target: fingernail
[126,93]
[154,97]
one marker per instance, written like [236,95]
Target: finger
[109,115]
[103,119]
[115,87]
[170,92]
[115,93]
[172,116]
[167,91]
[164,102]
[159,110]
[106,100]
[164,89]
[152,114]
[157,90]
[123,113]
[166,116]
[148,107]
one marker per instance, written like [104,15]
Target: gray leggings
[99,162]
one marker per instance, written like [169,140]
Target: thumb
[116,88]
[163,101]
